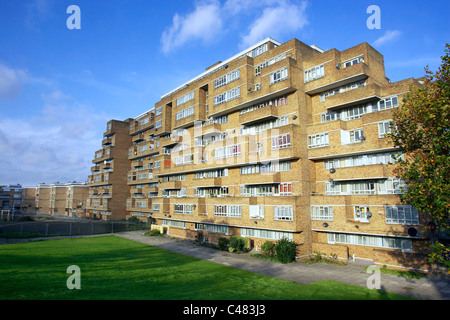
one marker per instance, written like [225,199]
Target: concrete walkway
[427,288]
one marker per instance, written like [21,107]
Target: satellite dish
[412,232]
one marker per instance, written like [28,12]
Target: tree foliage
[422,133]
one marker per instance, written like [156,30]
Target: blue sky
[59,87]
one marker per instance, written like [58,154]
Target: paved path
[427,288]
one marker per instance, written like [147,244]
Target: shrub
[153,233]
[238,243]
[223,244]
[286,250]
[268,249]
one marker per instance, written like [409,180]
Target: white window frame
[283,213]
[314,73]
[279,75]
[402,215]
[322,213]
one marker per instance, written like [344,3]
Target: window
[259,50]
[371,241]
[144,121]
[329,116]
[322,213]
[385,127]
[341,89]
[281,142]
[156,207]
[318,140]
[392,186]
[256,211]
[285,189]
[283,213]
[158,111]
[314,73]
[386,103]
[186,98]
[183,208]
[279,75]
[185,113]
[405,215]
[279,101]
[269,62]
[356,135]
[226,79]
[143,148]
[362,160]
[227,96]
[265,234]
[141,204]
[174,223]
[158,124]
[231,211]
[258,190]
[211,228]
[353,61]
[227,152]
[211,174]
[360,214]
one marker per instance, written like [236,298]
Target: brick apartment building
[75,201]
[280,140]
[107,184]
[11,198]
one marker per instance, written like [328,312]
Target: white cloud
[56,145]
[203,24]
[389,36]
[209,20]
[275,21]
[11,82]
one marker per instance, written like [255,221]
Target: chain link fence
[51,228]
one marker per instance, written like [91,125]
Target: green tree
[422,133]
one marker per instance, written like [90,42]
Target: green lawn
[116,268]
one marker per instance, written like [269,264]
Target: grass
[115,268]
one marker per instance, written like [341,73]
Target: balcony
[171,141]
[138,138]
[208,182]
[362,95]
[261,178]
[208,129]
[266,113]
[107,142]
[335,77]
[170,184]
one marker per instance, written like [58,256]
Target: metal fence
[65,228]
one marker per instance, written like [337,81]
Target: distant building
[11,197]
[76,197]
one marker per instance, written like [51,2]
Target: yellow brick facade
[281,140]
